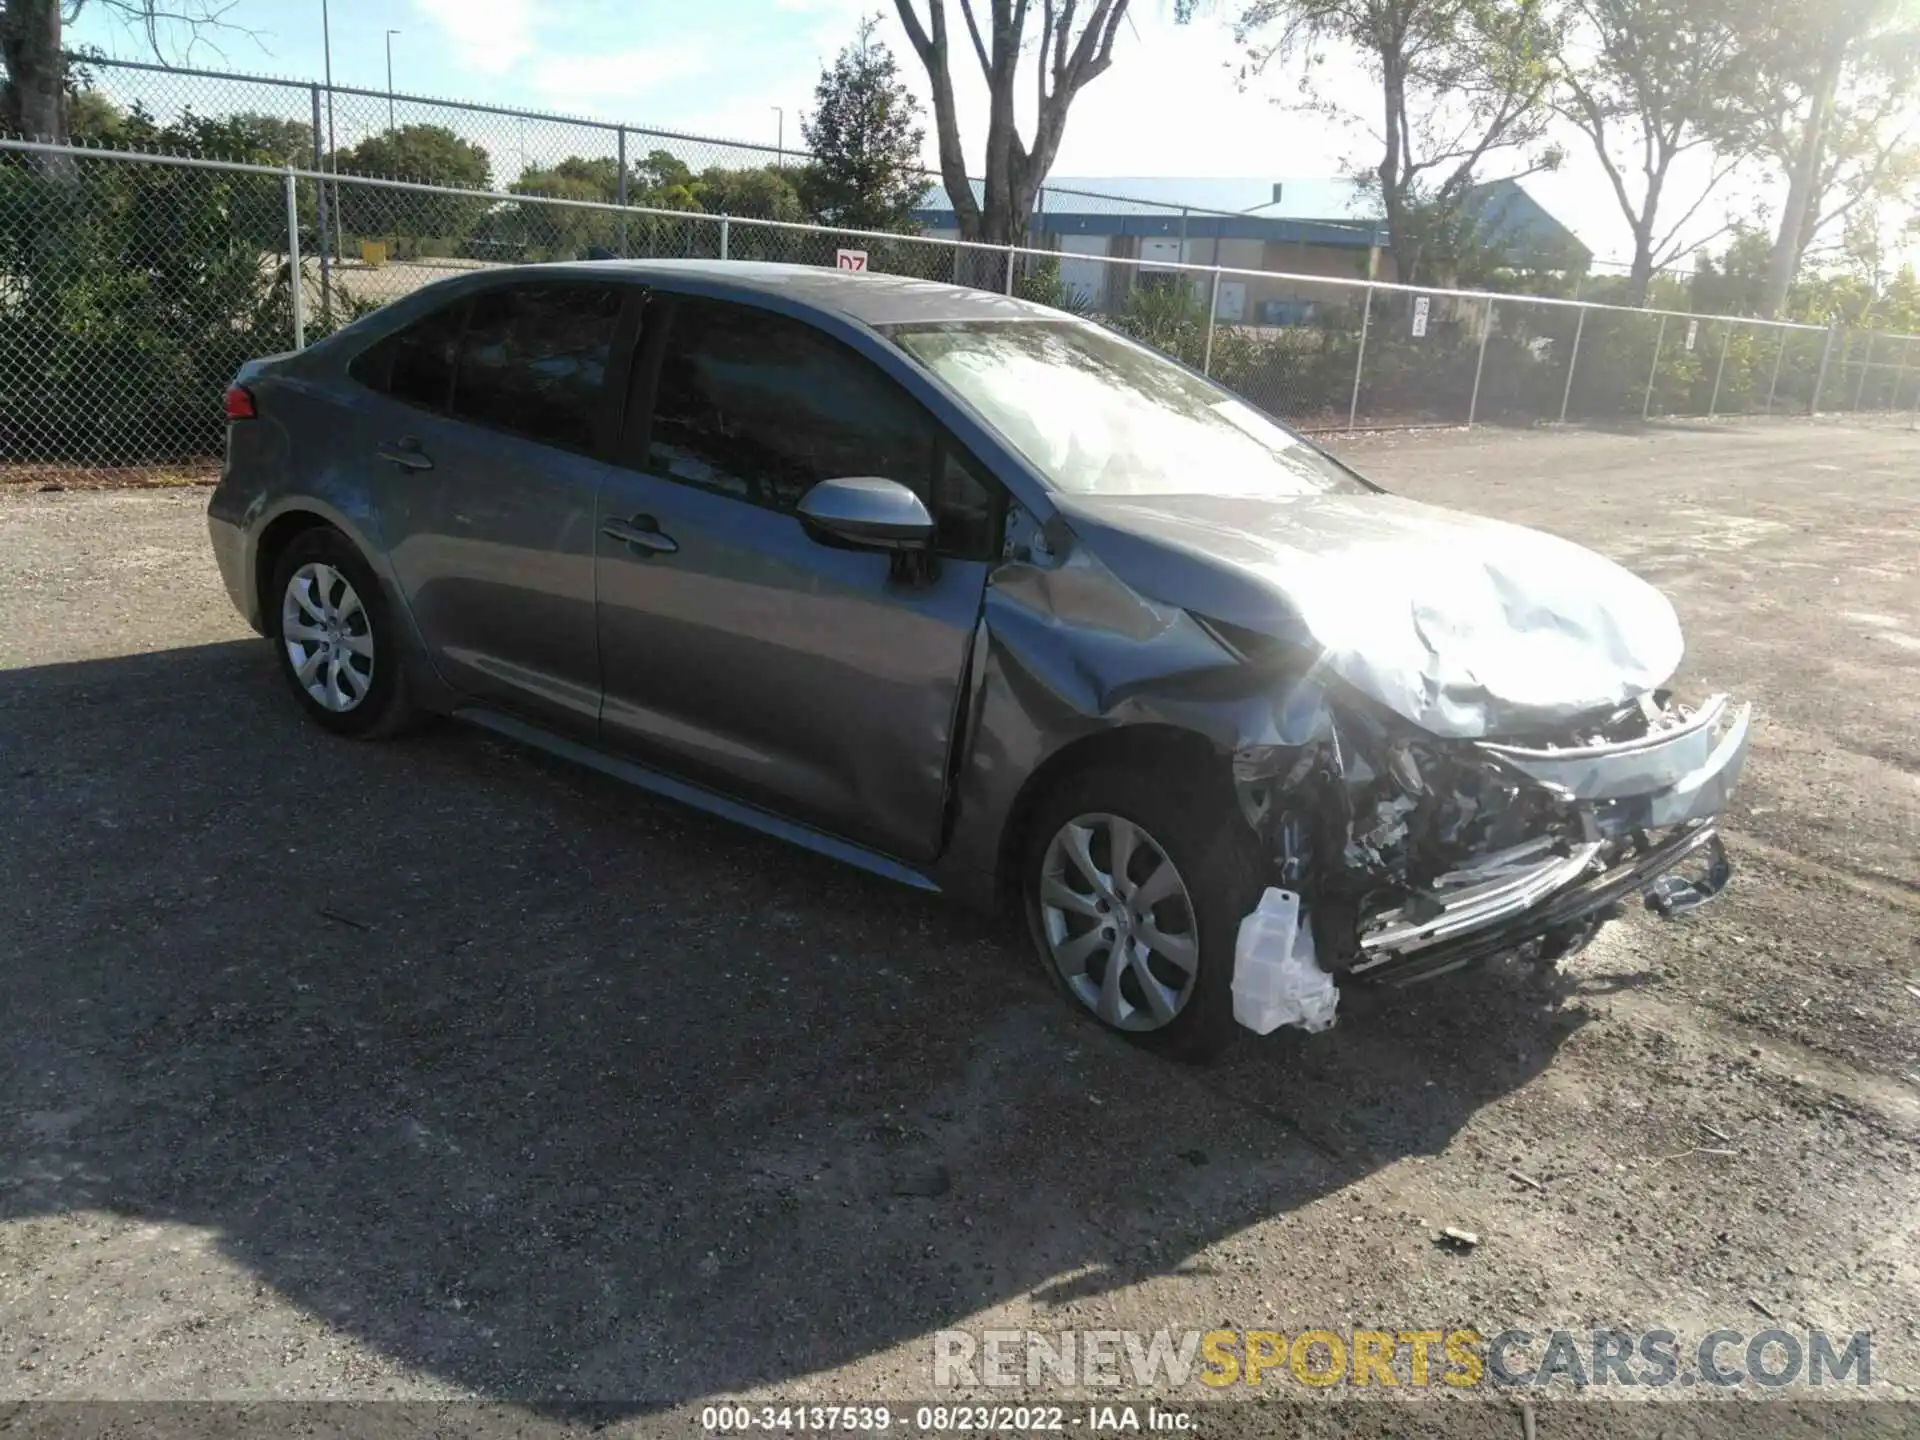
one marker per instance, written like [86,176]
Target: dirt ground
[441,1070]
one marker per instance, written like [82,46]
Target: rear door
[820,683]
[497,415]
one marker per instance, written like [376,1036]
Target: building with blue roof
[1115,234]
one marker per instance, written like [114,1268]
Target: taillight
[239,403]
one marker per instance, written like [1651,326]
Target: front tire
[335,637]
[1134,889]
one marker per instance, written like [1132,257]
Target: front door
[820,683]
[487,503]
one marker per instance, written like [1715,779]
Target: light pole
[390,35]
[780,151]
[333,155]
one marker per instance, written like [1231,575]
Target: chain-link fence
[132,286]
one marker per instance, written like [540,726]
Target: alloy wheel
[328,636]
[1118,922]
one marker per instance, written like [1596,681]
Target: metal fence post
[296,281]
[320,218]
[1659,339]
[1726,339]
[1009,270]
[620,186]
[724,238]
[1213,308]
[1486,329]
[1820,380]
[1779,356]
[1573,359]
[1860,390]
[1360,359]
[1914,421]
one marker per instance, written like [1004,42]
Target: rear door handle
[642,532]
[407,455]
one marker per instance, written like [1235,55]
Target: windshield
[1097,414]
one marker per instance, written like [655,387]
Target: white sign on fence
[1420,306]
[850,259]
[1693,332]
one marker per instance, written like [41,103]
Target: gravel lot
[442,1070]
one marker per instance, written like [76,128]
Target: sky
[745,69]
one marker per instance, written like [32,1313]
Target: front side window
[1096,414]
[764,407]
[415,365]
[534,359]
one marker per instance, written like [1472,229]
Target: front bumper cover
[1649,806]
[1666,778]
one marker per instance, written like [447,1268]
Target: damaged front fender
[1065,652]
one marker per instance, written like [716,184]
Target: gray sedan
[986,599]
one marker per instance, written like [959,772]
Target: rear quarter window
[415,365]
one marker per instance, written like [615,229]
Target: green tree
[864,136]
[555,232]
[574,178]
[1824,104]
[93,119]
[1735,281]
[247,137]
[1460,82]
[665,182]
[1643,81]
[1462,243]
[424,154]
[761,193]
[35,91]
[1069,59]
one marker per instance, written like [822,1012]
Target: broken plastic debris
[1276,978]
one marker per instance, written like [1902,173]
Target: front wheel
[1134,893]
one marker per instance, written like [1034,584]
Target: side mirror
[865,512]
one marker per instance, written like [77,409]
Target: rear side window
[415,365]
[534,359]
[763,407]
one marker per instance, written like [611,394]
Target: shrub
[129,294]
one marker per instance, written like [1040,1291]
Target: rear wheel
[1135,889]
[336,640]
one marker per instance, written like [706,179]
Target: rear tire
[334,634]
[1084,918]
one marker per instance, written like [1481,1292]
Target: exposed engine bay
[1416,855]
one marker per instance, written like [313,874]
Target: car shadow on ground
[559,1092]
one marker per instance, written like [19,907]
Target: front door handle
[407,454]
[642,533]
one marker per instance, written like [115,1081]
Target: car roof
[866,296]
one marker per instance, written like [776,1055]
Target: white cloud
[489,36]
[619,75]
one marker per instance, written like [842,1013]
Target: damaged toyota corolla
[987,599]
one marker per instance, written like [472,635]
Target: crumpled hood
[1467,627]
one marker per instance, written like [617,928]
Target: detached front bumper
[1647,807]
[1667,778]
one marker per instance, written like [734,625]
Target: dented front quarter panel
[1066,650]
